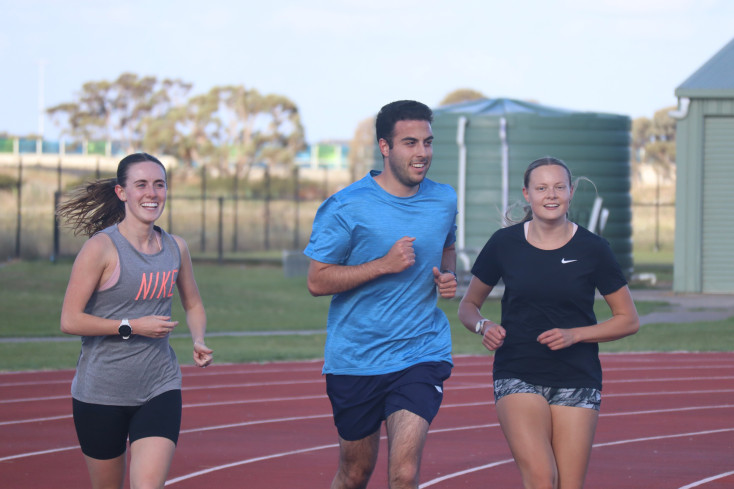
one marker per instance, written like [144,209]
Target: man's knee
[353,474]
[404,475]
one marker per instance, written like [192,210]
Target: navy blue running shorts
[361,402]
[103,430]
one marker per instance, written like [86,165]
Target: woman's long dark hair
[95,206]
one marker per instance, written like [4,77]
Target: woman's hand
[557,338]
[202,354]
[494,336]
[153,326]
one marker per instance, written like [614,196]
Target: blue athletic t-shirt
[392,322]
[546,289]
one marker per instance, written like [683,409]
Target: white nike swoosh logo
[564,261]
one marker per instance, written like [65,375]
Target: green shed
[704,231]
[483,147]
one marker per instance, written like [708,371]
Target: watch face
[125,331]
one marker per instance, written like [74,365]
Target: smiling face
[548,192]
[407,162]
[144,191]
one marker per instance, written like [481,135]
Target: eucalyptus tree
[462,95]
[653,141]
[118,110]
[362,148]
[257,129]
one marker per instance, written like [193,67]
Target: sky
[341,60]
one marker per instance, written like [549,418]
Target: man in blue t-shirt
[384,248]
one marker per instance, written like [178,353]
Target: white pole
[505,166]
[461,184]
[41,101]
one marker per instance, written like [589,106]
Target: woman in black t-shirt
[547,374]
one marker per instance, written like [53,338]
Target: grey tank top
[119,372]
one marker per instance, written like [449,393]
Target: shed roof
[714,79]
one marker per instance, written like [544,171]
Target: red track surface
[667,421]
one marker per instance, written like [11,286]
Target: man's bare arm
[328,279]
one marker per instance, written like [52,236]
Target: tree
[186,131]
[653,141]
[641,135]
[362,148]
[227,128]
[118,110]
[462,95]
[257,128]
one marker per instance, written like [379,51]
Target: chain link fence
[265,216]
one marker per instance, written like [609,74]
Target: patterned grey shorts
[584,397]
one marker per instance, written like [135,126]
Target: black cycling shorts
[103,430]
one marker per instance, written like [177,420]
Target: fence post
[296,201]
[18,223]
[235,217]
[58,176]
[57,234]
[267,207]
[220,231]
[657,212]
[169,200]
[203,208]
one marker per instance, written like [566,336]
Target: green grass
[702,336]
[251,298]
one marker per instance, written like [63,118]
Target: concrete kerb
[686,308]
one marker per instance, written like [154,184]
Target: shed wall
[705,176]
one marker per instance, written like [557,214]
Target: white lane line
[596,445]
[253,423]
[247,461]
[327,415]
[454,475]
[707,480]
[35,420]
[191,372]
[34,399]
[443,406]
[42,452]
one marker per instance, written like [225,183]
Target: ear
[525,194]
[384,147]
[120,193]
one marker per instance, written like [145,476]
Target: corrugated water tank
[483,147]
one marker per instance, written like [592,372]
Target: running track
[667,422]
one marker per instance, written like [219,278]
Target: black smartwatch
[124,330]
[452,273]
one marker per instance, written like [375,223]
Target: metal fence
[216,223]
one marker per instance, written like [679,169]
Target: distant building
[704,231]
[324,156]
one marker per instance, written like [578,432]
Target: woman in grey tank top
[119,300]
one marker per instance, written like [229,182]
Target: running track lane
[667,422]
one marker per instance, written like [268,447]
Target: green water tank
[483,147]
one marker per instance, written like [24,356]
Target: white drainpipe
[682,111]
[461,184]
[505,165]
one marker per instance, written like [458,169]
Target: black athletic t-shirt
[546,289]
